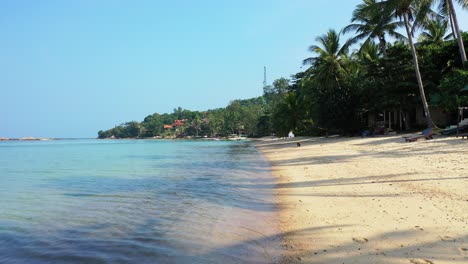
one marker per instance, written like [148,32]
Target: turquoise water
[136,201]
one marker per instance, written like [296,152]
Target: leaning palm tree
[453,16]
[446,7]
[435,31]
[369,22]
[328,68]
[412,13]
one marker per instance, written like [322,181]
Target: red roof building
[178,122]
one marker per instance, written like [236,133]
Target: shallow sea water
[136,201]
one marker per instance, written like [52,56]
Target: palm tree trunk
[383,46]
[461,47]
[454,33]
[418,73]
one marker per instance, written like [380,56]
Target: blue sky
[71,68]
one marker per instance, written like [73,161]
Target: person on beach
[291,134]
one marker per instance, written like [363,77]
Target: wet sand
[371,200]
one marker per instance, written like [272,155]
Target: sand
[371,200]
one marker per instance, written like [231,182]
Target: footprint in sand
[360,239]
[447,238]
[421,261]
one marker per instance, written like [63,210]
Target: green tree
[178,112]
[389,83]
[369,53]
[328,86]
[448,4]
[328,68]
[435,31]
[370,22]
[215,122]
[274,94]
[286,115]
[413,13]
[132,129]
[196,125]
[232,118]
[449,90]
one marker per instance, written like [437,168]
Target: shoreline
[144,203]
[371,200]
[26,139]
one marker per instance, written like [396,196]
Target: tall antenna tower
[264,77]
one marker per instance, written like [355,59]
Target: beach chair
[427,134]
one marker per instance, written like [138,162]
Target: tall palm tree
[328,68]
[446,7]
[453,14]
[412,13]
[435,30]
[369,22]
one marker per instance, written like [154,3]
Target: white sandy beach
[371,200]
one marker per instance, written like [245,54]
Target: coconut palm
[435,31]
[369,52]
[412,13]
[446,7]
[453,15]
[369,22]
[288,113]
[328,68]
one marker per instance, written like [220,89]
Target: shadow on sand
[143,246]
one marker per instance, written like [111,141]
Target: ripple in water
[91,201]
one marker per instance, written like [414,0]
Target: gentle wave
[90,201]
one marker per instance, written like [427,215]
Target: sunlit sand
[371,200]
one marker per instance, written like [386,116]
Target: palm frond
[443,8]
[463,3]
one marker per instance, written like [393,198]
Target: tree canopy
[347,80]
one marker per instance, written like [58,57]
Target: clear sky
[71,68]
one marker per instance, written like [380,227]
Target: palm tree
[328,68]
[446,7]
[435,30]
[369,52]
[453,15]
[196,125]
[412,13]
[370,22]
[288,113]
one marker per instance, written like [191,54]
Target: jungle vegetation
[402,54]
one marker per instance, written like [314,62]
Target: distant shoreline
[183,138]
[148,138]
[26,139]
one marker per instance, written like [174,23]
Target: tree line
[347,79]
